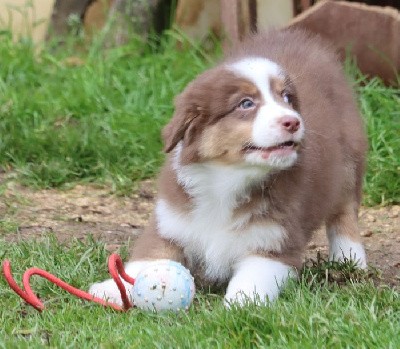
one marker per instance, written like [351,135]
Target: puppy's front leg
[149,246]
[257,279]
[344,238]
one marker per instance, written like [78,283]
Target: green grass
[380,107]
[311,313]
[101,120]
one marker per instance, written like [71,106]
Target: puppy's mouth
[280,150]
[288,146]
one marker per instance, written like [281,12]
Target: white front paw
[106,290]
[242,297]
[257,280]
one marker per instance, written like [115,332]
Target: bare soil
[87,209]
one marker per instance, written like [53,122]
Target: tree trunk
[133,16]
[62,12]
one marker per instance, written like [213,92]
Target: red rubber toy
[116,270]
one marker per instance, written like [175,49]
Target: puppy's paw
[108,289]
[343,248]
[257,280]
[241,297]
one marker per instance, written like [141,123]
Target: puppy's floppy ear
[185,114]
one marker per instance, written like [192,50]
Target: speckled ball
[163,285]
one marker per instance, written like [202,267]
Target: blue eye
[246,103]
[287,97]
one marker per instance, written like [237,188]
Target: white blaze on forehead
[258,70]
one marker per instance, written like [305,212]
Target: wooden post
[253,15]
[305,4]
[63,9]
[230,21]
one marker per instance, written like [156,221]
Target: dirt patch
[380,231]
[74,213]
[88,209]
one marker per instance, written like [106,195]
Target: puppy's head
[245,112]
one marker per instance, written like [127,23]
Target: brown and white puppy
[262,150]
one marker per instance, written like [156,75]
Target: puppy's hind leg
[344,238]
[149,246]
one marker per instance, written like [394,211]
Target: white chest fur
[210,234]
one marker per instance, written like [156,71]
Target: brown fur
[325,183]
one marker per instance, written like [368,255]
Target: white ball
[163,285]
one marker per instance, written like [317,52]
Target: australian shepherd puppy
[262,150]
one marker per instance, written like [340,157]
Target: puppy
[262,150]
